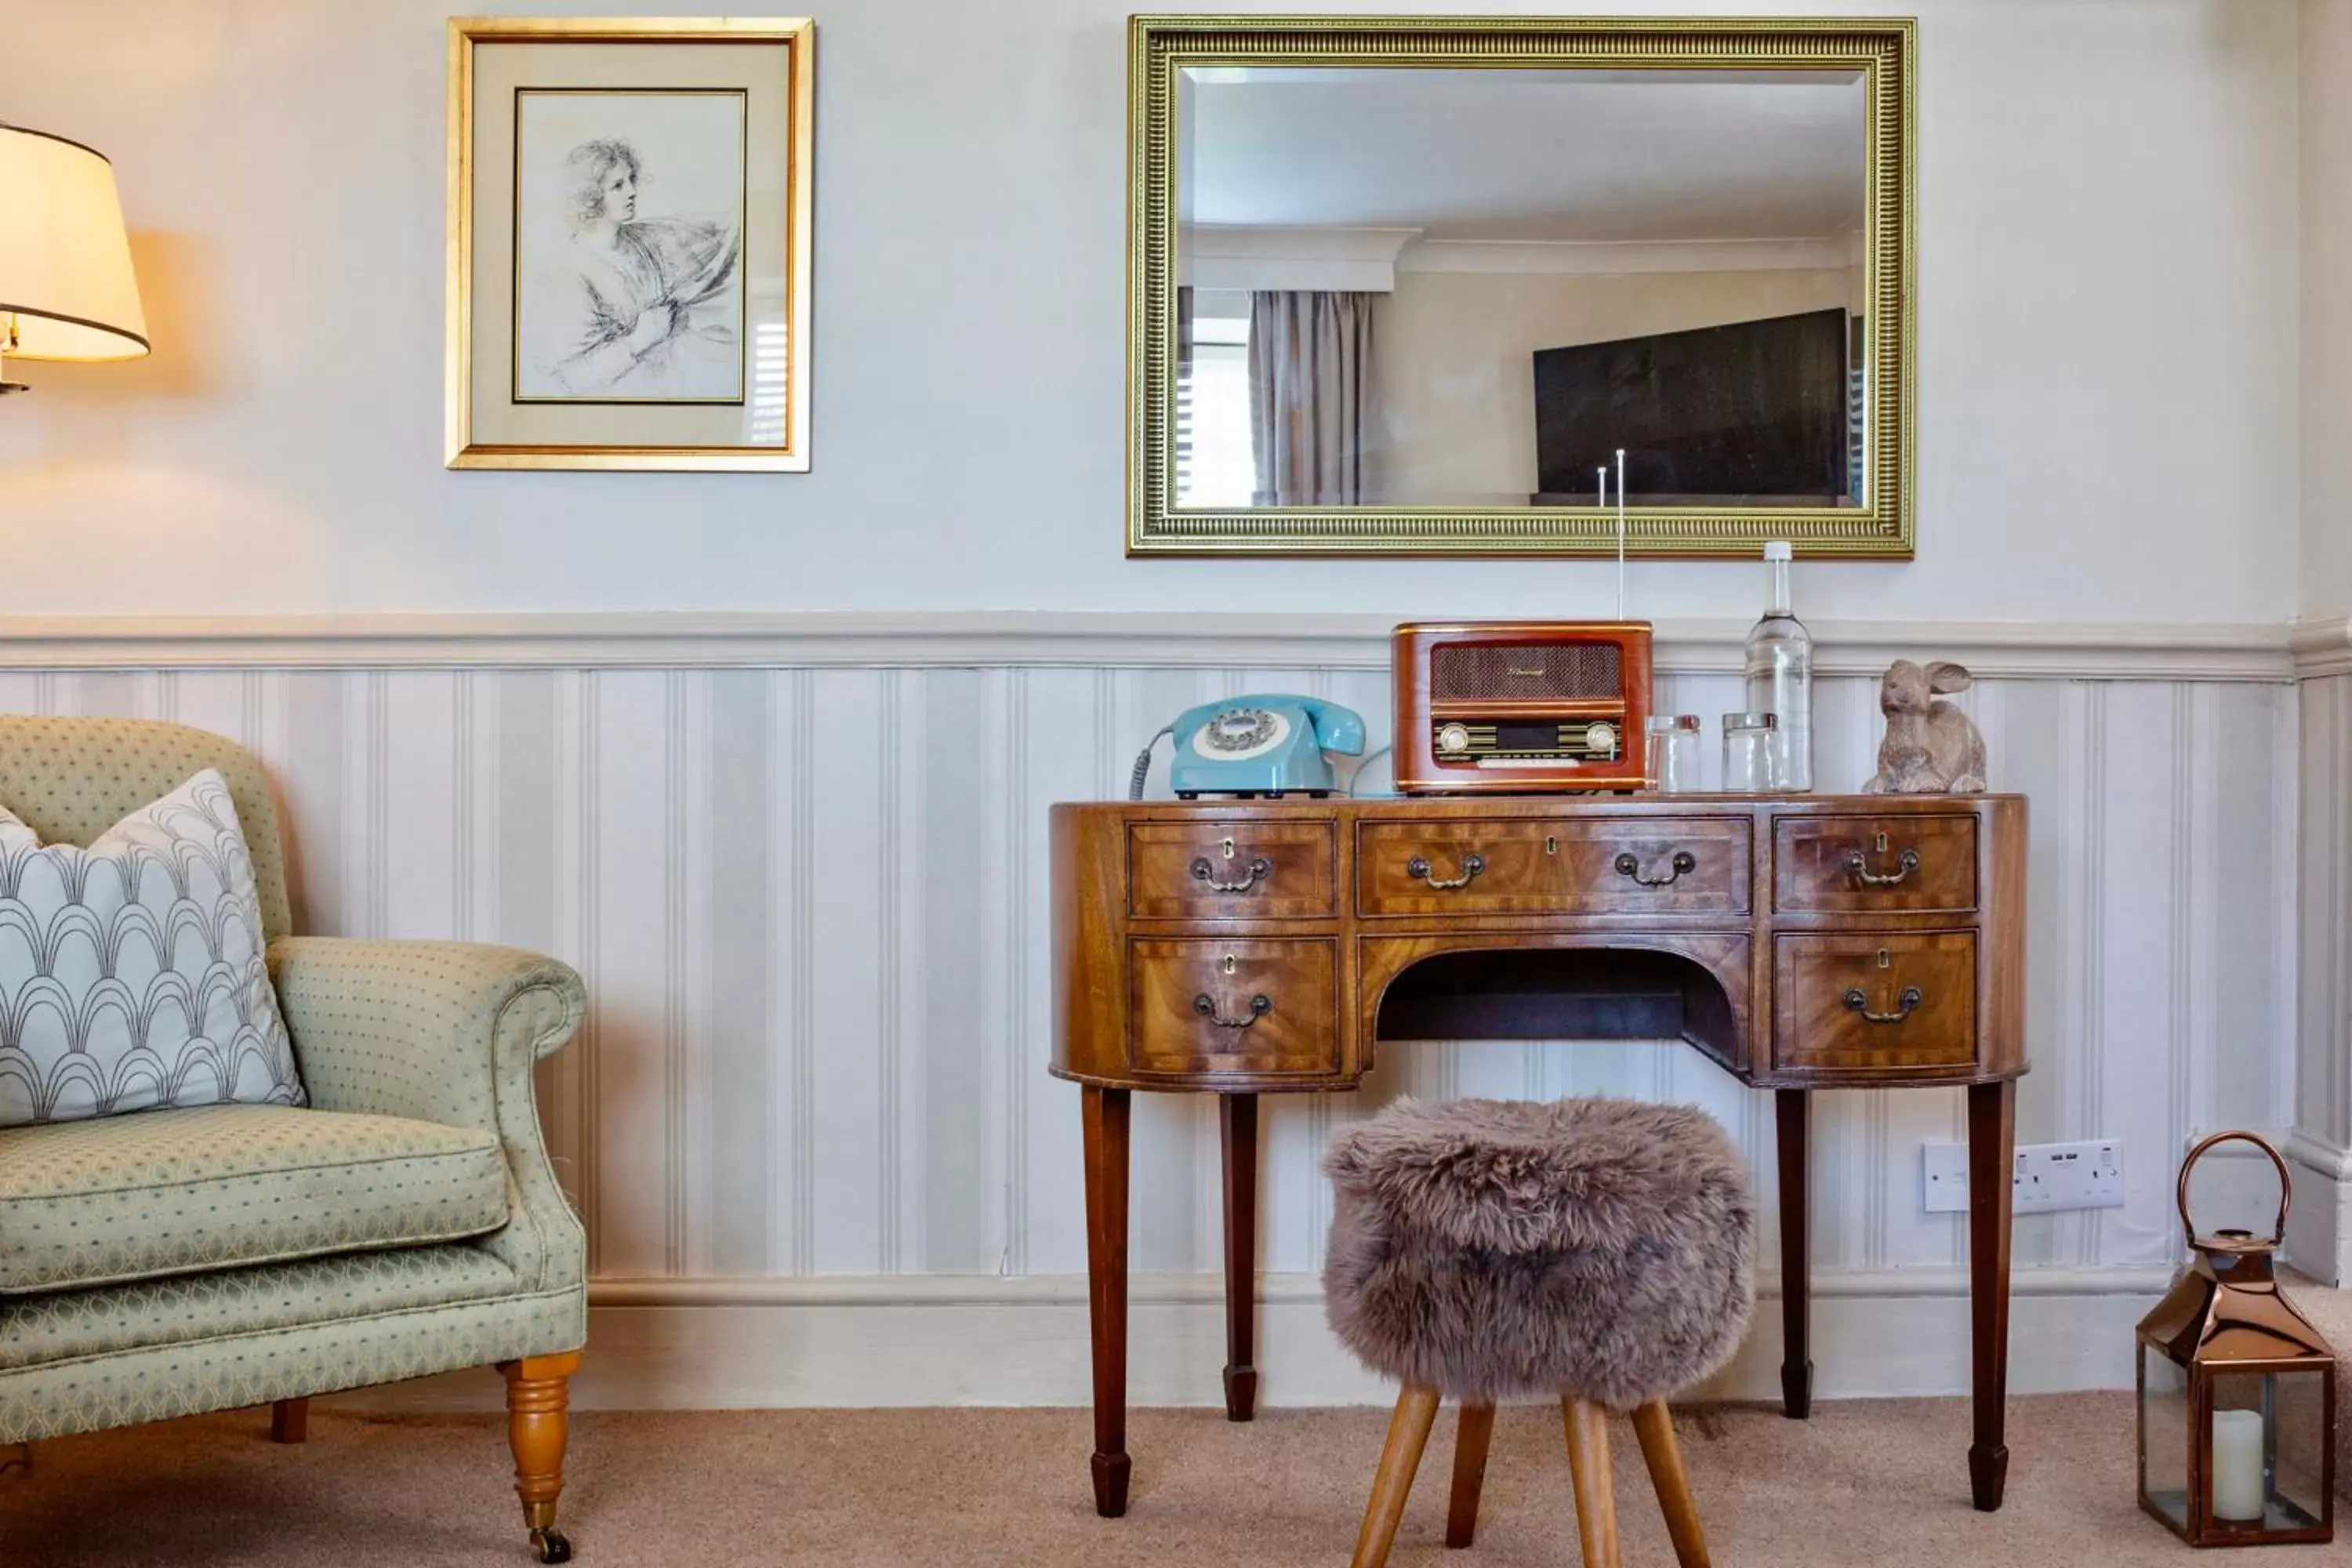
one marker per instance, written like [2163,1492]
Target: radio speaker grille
[1485,671]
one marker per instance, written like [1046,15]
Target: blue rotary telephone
[1268,744]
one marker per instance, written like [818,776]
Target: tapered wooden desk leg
[1655,1427]
[1237,1128]
[1596,1485]
[1105,1113]
[1795,1110]
[538,1423]
[1992,1142]
[1470,1442]
[1416,1412]
[289,1421]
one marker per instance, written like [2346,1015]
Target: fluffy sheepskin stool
[1598,1251]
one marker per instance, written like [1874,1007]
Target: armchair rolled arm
[444,1032]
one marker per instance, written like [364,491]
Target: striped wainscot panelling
[2319,1237]
[809,1122]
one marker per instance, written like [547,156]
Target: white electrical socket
[2046,1177]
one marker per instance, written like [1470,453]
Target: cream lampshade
[67,290]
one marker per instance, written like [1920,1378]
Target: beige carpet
[1880,1482]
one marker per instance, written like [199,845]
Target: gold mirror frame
[1883,50]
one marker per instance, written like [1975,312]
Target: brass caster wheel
[550,1545]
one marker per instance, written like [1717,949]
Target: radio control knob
[1601,738]
[1454,738]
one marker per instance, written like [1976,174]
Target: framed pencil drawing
[629,243]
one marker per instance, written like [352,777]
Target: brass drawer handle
[1260,868]
[1470,865]
[1205,1005]
[1904,1005]
[1858,868]
[1684,863]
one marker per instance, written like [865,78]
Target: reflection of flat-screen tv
[1749,411]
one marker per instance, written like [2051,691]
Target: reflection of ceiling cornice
[1234,241]
[1253,256]
[1828,254]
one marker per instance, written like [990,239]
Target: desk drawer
[1576,866]
[1232,871]
[1874,1003]
[1233,1006]
[1862,865]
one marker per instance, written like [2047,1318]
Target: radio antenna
[1603,471]
[1621,532]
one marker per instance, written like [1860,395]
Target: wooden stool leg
[1655,1427]
[16,1457]
[289,1421]
[538,1401]
[1416,1412]
[1470,1440]
[1596,1488]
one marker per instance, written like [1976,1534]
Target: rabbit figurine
[1931,747]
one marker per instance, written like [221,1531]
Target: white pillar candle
[2238,1465]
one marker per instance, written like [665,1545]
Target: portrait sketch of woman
[628,241]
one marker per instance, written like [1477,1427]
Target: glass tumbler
[1673,753]
[1748,753]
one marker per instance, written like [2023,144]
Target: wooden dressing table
[1801,942]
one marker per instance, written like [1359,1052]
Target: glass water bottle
[1781,678]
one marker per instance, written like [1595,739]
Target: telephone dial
[1266,744]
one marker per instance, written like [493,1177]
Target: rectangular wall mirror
[1405,286]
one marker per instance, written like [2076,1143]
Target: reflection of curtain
[1311,376]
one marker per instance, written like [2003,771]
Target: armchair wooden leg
[16,1457]
[289,1421]
[1416,1412]
[1655,1427]
[1596,1487]
[1470,1440]
[538,1401]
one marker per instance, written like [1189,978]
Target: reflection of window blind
[1214,463]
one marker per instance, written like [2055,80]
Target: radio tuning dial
[1453,738]
[1602,737]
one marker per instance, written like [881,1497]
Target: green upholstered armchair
[170,1262]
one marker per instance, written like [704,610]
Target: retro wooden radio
[1525,707]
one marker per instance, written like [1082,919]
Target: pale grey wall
[2107,229]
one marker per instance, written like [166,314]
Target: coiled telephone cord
[1143,763]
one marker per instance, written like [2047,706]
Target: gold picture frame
[670,340]
[1883,50]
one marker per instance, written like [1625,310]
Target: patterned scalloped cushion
[132,973]
[139,1198]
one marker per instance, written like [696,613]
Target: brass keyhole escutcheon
[1551,844]
[1885,959]
[1228,845]
[1229,963]
[1877,843]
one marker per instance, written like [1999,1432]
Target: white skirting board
[873,1342]
[2319,1225]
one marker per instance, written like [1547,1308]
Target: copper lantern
[2237,1393]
